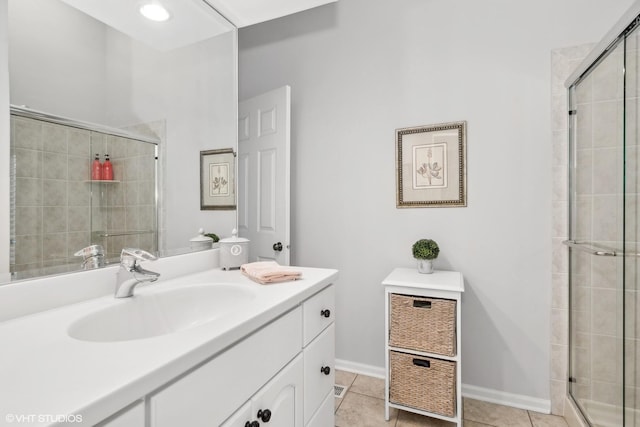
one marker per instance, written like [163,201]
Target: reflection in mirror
[107,81]
[63,204]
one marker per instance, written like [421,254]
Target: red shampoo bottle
[107,169]
[96,169]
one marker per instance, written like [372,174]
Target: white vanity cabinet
[279,403]
[279,376]
[211,393]
[319,357]
[325,415]
[273,350]
[240,417]
[132,416]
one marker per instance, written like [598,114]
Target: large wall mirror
[87,78]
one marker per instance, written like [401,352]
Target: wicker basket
[422,382]
[423,324]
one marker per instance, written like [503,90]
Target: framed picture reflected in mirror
[217,179]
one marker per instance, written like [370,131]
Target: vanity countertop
[45,373]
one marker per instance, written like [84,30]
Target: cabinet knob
[265,415]
[252,424]
[325,370]
[325,313]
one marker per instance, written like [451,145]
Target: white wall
[193,88]
[57,53]
[359,69]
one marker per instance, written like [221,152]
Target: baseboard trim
[473,392]
[509,399]
[360,368]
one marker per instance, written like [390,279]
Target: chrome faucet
[131,274]
[92,257]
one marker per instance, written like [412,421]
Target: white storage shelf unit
[444,289]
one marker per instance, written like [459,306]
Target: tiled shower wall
[563,62]
[596,294]
[597,298]
[58,210]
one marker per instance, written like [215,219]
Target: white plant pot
[425,266]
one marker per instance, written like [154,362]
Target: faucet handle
[131,255]
[89,251]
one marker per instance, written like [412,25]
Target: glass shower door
[631,291]
[597,216]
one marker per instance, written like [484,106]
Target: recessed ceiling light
[154,12]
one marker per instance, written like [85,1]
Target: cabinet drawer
[325,415]
[318,381]
[209,394]
[319,312]
[424,383]
[423,324]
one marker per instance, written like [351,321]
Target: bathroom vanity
[224,351]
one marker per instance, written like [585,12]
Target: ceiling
[191,21]
[248,12]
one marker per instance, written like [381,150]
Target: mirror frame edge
[5,140]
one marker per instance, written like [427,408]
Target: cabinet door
[208,395]
[319,376]
[240,417]
[282,398]
[325,415]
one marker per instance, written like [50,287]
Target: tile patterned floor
[363,406]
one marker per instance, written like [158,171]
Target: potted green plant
[425,251]
[213,236]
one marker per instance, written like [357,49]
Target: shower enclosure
[604,281]
[57,209]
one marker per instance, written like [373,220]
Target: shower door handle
[590,248]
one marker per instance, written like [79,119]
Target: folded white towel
[269,272]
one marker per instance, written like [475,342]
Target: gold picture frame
[217,179]
[431,166]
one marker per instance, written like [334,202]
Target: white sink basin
[147,315]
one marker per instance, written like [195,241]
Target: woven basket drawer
[424,383]
[423,324]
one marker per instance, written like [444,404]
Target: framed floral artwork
[217,179]
[431,166]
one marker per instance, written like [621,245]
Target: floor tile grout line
[364,394]
[529,416]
